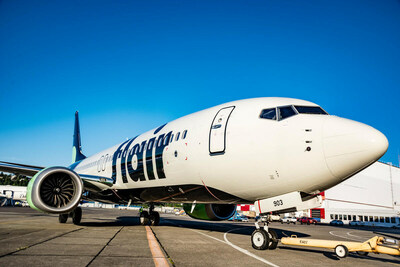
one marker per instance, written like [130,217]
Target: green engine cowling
[55,190]
[210,212]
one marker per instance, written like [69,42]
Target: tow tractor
[377,244]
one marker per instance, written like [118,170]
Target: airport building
[372,197]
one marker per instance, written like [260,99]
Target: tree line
[9,179]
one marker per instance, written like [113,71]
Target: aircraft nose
[349,146]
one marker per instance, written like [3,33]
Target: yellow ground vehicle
[377,244]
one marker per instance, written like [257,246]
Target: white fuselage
[231,149]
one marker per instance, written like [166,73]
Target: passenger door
[217,142]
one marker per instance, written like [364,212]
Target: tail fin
[76,145]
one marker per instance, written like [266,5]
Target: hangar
[372,196]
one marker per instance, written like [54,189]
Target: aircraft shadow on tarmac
[239,229]
[119,221]
[236,228]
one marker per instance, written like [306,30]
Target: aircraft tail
[76,145]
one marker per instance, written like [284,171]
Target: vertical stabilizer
[76,145]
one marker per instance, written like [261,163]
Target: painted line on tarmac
[331,232]
[236,247]
[158,256]
[356,236]
[227,242]
[246,251]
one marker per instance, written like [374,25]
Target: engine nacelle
[55,190]
[210,212]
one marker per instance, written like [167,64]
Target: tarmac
[111,237]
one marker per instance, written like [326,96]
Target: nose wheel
[263,238]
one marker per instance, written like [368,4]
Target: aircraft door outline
[217,138]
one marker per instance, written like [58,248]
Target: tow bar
[377,244]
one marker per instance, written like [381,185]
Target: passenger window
[177,136]
[387,220]
[172,138]
[184,134]
[331,216]
[269,113]
[345,217]
[310,110]
[336,216]
[393,220]
[286,112]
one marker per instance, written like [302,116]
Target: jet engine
[55,190]
[210,212]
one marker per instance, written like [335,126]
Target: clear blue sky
[129,66]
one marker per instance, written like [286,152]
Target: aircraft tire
[260,239]
[77,216]
[144,218]
[154,218]
[62,218]
[273,240]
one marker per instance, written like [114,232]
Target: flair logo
[137,158]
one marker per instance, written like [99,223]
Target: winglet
[76,145]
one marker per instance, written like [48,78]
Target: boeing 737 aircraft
[276,153]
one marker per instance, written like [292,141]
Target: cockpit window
[310,110]
[269,113]
[286,112]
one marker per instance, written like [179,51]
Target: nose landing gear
[264,238]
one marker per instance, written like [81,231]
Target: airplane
[276,153]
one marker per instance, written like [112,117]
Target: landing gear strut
[150,218]
[264,238]
[76,216]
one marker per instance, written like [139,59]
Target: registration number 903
[278,202]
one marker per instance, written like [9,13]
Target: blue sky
[129,66]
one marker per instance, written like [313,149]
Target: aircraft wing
[90,182]
[23,169]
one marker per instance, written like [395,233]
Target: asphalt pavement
[111,237]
